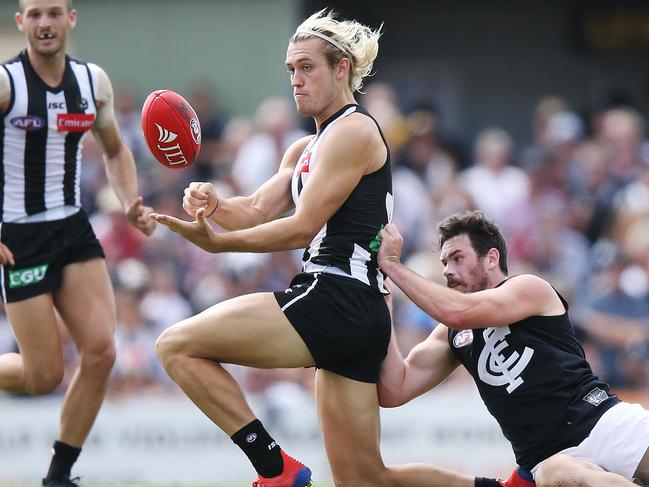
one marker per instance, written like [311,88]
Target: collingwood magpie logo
[496,369]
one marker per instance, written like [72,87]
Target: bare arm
[425,367]
[6,257]
[518,298]
[5,90]
[343,158]
[118,160]
[271,200]
[121,174]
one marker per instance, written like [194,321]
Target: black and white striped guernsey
[342,246]
[40,138]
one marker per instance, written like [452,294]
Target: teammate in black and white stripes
[53,265]
[514,336]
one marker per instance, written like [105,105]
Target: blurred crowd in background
[573,204]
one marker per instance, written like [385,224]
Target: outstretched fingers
[201,219]
[199,232]
[137,214]
[172,223]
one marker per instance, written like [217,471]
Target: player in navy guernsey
[514,336]
[333,315]
[52,263]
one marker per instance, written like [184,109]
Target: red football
[171,128]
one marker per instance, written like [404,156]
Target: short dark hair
[483,233]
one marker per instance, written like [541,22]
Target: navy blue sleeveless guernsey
[342,246]
[534,379]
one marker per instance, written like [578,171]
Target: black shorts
[41,250]
[344,323]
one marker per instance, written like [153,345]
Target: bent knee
[169,344]
[562,471]
[44,381]
[552,472]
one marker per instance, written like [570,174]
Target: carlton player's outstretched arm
[426,366]
[518,298]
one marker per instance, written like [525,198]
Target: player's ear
[72,18]
[19,21]
[493,258]
[343,67]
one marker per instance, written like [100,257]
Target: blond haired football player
[333,315]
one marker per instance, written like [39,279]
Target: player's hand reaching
[200,195]
[137,215]
[391,245]
[6,257]
[199,232]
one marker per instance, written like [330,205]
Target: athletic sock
[486,482]
[260,448]
[63,457]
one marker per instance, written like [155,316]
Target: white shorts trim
[53,214]
[305,293]
[312,268]
[618,441]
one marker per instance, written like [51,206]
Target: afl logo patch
[251,437]
[29,123]
[462,339]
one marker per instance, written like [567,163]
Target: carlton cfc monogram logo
[494,368]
